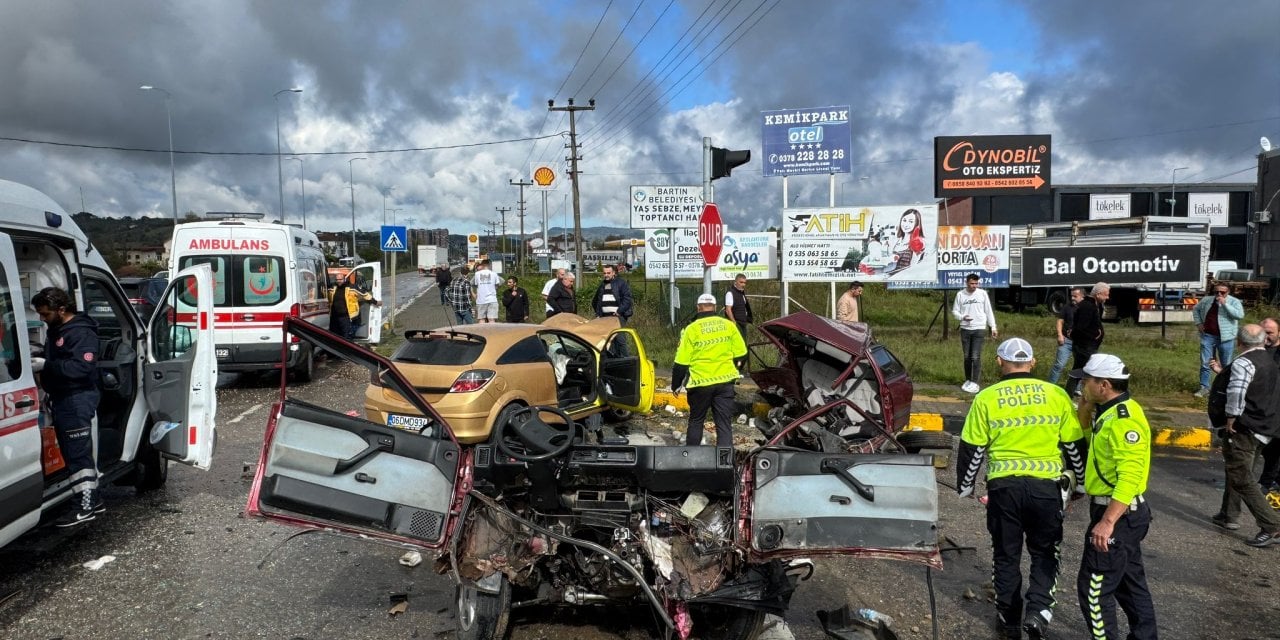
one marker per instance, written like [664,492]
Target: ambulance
[156,377]
[263,272]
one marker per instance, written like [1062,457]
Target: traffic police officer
[705,360]
[70,377]
[1025,425]
[1115,477]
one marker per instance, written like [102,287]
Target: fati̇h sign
[990,165]
[1068,266]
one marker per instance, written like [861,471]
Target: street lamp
[351,181]
[279,165]
[302,180]
[1173,191]
[384,204]
[393,215]
[173,176]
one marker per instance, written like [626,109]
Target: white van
[156,382]
[262,272]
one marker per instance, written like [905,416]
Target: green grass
[901,320]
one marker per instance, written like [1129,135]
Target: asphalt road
[188,564]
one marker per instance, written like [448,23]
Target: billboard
[805,141]
[1109,206]
[983,250]
[990,165]
[1213,206]
[473,247]
[754,254]
[666,207]
[896,243]
[1131,264]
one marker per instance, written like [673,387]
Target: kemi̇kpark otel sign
[990,165]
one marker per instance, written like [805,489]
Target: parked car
[478,375]
[144,294]
[540,514]
[839,387]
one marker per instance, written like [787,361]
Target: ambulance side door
[369,277]
[181,371]
[21,473]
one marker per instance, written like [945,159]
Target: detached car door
[21,470]
[626,373]
[325,467]
[181,372]
[807,502]
[369,276]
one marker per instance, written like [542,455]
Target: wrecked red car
[831,387]
[546,513]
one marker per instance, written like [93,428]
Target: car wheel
[616,415]
[482,615]
[914,441]
[1057,301]
[152,469]
[306,370]
[723,622]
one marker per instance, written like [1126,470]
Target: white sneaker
[969,386]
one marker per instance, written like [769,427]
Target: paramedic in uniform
[705,360]
[1116,473]
[1021,422]
[70,378]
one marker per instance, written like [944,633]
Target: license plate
[416,424]
[222,353]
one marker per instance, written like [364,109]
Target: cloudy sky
[447,101]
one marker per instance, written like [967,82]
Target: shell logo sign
[544,176]
[473,246]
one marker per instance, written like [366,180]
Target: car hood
[851,337]
[594,331]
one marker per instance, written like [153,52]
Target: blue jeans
[1208,345]
[464,316]
[1060,361]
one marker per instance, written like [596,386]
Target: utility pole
[493,235]
[573,175]
[520,258]
[503,212]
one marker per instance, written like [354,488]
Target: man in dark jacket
[443,278]
[516,301]
[1086,329]
[70,378]
[1250,424]
[613,297]
[562,298]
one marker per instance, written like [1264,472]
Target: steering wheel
[540,440]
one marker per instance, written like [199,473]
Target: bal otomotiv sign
[1067,266]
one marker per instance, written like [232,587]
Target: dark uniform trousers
[719,399]
[73,425]
[1118,572]
[1020,507]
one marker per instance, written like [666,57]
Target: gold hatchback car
[476,375]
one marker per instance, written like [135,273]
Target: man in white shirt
[973,309]
[486,282]
[546,288]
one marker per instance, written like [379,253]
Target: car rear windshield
[243,281]
[441,350]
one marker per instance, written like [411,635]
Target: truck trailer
[431,256]
[1131,254]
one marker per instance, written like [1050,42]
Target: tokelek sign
[1078,266]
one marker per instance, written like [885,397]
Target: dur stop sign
[710,234]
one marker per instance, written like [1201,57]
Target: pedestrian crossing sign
[393,239]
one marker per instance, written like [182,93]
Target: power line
[53,143]
[610,49]
[633,49]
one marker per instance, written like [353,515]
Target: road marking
[244,414]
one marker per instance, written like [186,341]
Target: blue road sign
[800,141]
[394,239]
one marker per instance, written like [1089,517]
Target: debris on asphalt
[969,594]
[411,559]
[399,604]
[864,624]
[94,565]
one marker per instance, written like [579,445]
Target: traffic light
[723,161]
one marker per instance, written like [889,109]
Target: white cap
[706,298]
[1015,350]
[1103,365]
